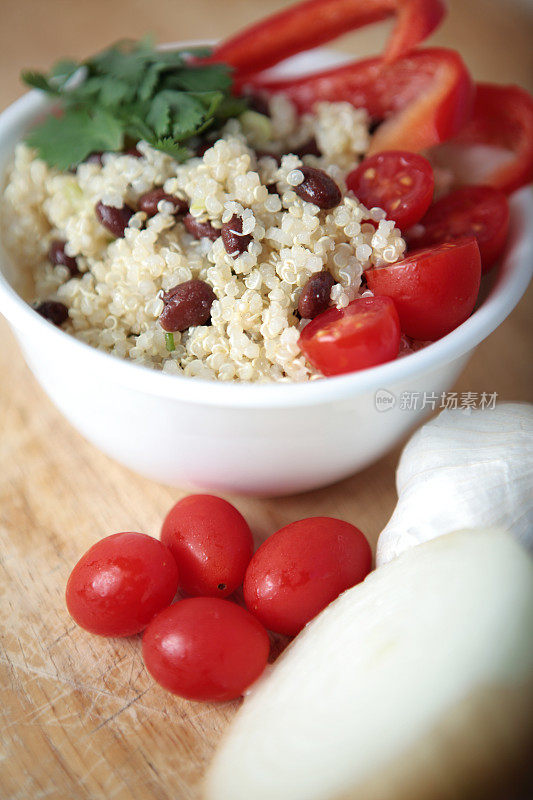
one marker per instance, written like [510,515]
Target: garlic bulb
[464,469]
[417,683]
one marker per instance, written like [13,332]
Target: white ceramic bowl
[258,439]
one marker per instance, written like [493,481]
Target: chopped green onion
[257,127]
[169,342]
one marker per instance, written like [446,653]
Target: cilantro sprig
[130,91]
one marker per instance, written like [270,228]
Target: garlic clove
[464,469]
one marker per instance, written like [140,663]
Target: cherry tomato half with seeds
[479,211]
[211,542]
[434,289]
[204,648]
[302,568]
[365,333]
[399,182]
[121,583]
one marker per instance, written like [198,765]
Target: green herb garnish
[169,342]
[128,92]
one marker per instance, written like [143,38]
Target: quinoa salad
[114,298]
[193,212]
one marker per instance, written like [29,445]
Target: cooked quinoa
[115,301]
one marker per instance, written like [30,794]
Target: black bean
[201,149]
[132,151]
[94,158]
[258,102]
[315,295]
[114,219]
[318,188]
[186,305]
[309,148]
[200,229]
[57,255]
[203,145]
[265,153]
[53,311]
[232,236]
[148,202]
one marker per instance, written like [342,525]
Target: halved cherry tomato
[311,23]
[502,119]
[401,183]
[204,648]
[365,333]
[211,542]
[120,583]
[425,97]
[434,290]
[479,211]
[301,568]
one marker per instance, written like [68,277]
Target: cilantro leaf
[195,79]
[39,81]
[131,91]
[170,146]
[63,70]
[62,141]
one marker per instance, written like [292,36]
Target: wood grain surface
[79,716]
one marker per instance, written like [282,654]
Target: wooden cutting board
[79,716]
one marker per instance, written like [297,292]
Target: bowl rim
[514,274]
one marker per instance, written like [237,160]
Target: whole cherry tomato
[399,182]
[120,583]
[434,289]
[479,211]
[300,569]
[211,542]
[365,333]
[204,648]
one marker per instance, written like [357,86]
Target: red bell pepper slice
[502,118]
[424,98]
[311,23]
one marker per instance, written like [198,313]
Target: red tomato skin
[404,204]
[211,542]
[335,341]
[479,211]
[120,583]
[434,289]
[302,568]
[205,648]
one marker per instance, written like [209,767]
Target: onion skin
[415,685]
